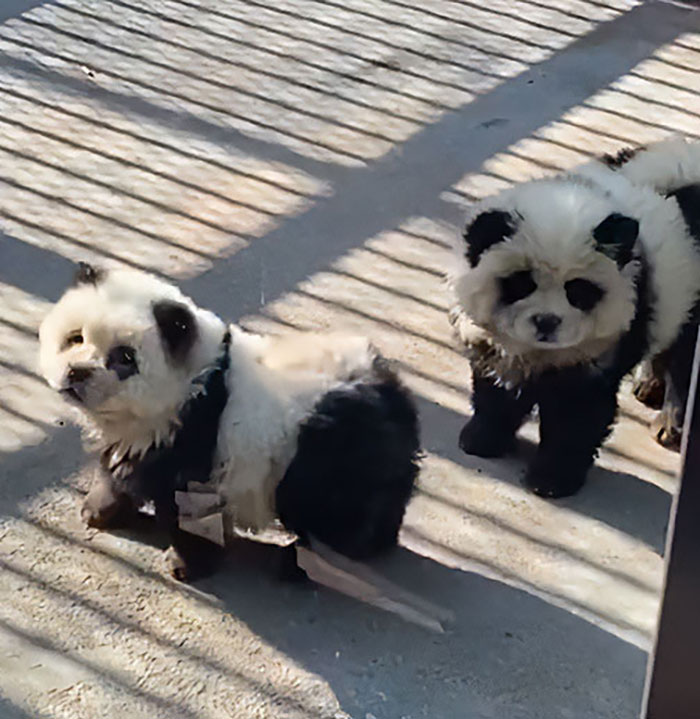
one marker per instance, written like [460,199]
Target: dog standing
[562,286]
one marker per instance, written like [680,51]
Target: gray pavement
[305,164]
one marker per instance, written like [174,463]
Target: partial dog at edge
[314,431]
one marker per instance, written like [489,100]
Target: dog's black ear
[177,326]
[488,229]
[615,237]
[86,274]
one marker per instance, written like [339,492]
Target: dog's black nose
[546,324]
[77,375]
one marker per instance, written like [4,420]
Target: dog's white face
[123,346]
[548,266]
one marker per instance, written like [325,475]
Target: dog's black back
[354,469]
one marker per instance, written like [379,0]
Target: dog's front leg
[108,503]
[576,414]
[498,414]
[188,557]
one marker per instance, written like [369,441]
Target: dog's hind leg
[286,567]
[354,469]
[190,557]
[650,385]
[667,427]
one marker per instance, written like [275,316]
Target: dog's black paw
[483,439]
[193,558]
[667,429]
[177,565]
[554,479]
[103,512]
[286,568]
[650,391]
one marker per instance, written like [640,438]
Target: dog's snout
[546,324]
[78,375]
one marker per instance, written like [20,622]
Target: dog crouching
[313,431]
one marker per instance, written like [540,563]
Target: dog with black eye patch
[561,287]
[314,432]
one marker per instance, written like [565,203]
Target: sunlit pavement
[306,164]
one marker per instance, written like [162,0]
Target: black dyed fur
[488,229]
[577,408]
[498,414]
[163,470]
[688,199]
[620,158]
[87,275]
[634,344]
[177,327]
[615,237]
[354,468]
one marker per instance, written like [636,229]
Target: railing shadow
[620,500]
[352,646]
[430,162]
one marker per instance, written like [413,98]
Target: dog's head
[124,346]
[548,267]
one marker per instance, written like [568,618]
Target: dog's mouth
[72,395]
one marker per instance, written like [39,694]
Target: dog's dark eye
[583,294]
[74,338]
[122,359]
[517,287]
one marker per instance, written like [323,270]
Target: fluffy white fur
[118,310]
[277,383]
[273,382]
[665,165]
[555,219]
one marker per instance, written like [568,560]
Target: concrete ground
[306,163]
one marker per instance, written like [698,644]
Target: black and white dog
[672,168]
[562,286]
[312,430]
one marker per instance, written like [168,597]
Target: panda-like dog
[313,430]
[562,286]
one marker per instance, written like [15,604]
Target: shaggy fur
[673,169]
[312,430]
[562,286]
